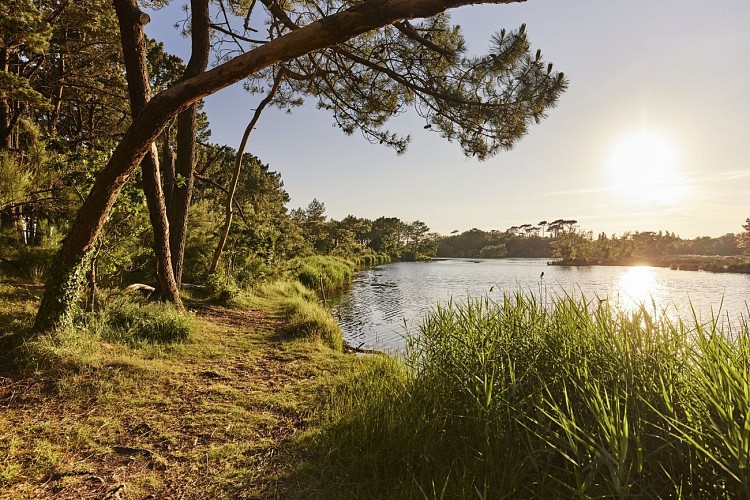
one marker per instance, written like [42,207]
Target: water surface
[386,301]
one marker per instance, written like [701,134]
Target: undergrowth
[93,337]
[322,273]
[300,300]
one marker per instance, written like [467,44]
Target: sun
[643,167]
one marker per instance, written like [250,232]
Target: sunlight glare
[643,168]
[637,284]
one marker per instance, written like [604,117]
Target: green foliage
[164,69]
[222,288]
[563,240]
[262,235]
[201,240]
[304,316]
[476,243]
[33,262]
[572,248]
[523,399]
[15,181]
[23,25]
[743,241]
[321,273]
[484,103]
[372,259]
[19,89]
[493,251]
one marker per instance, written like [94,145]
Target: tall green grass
[123,325]
[297,300]
[305,316]
[522,399]
[323,272]
[372,259]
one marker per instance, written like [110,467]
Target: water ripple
[386,302]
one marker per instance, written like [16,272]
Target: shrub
[129,320]
[222,288]
[305,316]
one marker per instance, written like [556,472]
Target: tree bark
[131,21]
[69,266]
[168,157]
[55,115]
[182,192]
[4,105]
[237,169]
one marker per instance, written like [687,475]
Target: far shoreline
[715,263]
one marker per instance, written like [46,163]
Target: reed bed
[525,399]
[323,272]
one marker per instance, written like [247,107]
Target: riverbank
[714,264]
[506,396]
[215,415]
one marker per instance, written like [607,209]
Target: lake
[386,301]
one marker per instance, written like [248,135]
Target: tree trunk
[237,168]
[4,105]
[131,21]
[91,276]
[168,157]
[69,266]
[182,191]
[55,115]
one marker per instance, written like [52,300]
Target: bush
[158,322]
[372,259]
[222,288]
[26,262]
[305,316]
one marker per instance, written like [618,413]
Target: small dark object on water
[541,275]
[492,288]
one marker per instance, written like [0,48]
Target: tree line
[564,240]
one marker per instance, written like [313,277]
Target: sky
[652,133]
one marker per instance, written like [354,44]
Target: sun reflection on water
[636,287]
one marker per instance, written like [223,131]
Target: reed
[527,399]
[322,273]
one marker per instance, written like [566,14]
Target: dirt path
[212,419]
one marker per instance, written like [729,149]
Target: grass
[203,415]
[515,398]
[305,317]
[372,259]
[296,300]
[323,273]
[522,399]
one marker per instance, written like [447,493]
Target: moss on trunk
[64,287]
